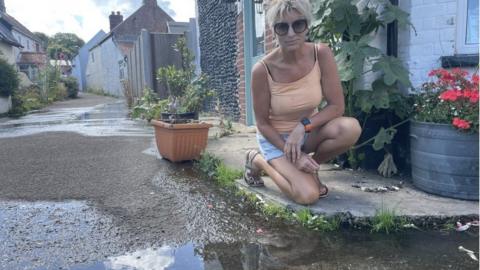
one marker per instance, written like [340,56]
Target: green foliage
[387,221]
[71,84]
[207,164]
[149,107]
[25,100]
[186,93]
[67,44]
[226,176]
[9,80]
[56,90]
[349,27]
[316,222]
[276,211]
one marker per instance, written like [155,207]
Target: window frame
[461,29]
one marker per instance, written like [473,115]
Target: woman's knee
[306,196]
[350,127]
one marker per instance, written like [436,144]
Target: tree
[43,37]
[64,45]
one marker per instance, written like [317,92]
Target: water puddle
[103,120]
[185,257]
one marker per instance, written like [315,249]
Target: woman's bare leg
[333,138]
[301,187]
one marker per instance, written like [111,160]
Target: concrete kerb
[351,204]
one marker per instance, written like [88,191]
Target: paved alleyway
[82,187]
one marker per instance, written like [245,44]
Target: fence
[150,52]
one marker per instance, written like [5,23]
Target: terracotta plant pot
[180,142]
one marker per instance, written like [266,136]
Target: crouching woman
[288,85]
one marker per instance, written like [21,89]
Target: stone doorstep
[345,200]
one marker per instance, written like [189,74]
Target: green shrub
[8,78]
[25,100]
[71,84]
[57,92]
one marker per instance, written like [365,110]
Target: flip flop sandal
[324,194]
[250,179]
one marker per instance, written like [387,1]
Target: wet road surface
[83,189]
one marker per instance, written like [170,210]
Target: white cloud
[85,17]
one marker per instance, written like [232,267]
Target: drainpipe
[392,35]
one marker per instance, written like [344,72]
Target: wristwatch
[306,124]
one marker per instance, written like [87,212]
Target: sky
[85,17]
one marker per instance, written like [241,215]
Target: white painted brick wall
[434,21]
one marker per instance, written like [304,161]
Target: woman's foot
[252,174]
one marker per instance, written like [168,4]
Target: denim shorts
[270,151]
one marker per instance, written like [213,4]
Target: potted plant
[444,135]
[178,133]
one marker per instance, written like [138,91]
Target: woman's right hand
[307,164]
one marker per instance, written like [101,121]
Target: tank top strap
[266,68]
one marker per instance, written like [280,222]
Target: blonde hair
[277,8]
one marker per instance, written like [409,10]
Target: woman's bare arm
[331,87]
[261,105]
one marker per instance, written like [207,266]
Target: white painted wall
[5,104]
[27,43]
[7,52]
[104,72]
[435,22]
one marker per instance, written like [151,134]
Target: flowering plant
[452,98]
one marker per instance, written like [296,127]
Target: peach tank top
[290,102]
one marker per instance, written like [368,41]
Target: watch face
[305,121]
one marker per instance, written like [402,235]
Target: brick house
[447,36]
[107,62]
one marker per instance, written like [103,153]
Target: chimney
[150,2]
[115,19]
[2,6]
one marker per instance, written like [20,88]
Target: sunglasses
[298,26]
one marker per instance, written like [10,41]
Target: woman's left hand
[293,145]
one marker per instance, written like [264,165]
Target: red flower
[473,97]
[475,80]
[460,72]
[460,123]
[450,95]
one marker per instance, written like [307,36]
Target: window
[37,47]
[28,44]
[93,57]
[467,27]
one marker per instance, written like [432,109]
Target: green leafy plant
[349,27]
[71,84]
[9,80]
[25,100]
[451,98]
[149,106]
[207,164]
[186,91]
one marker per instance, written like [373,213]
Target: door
[254,47]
